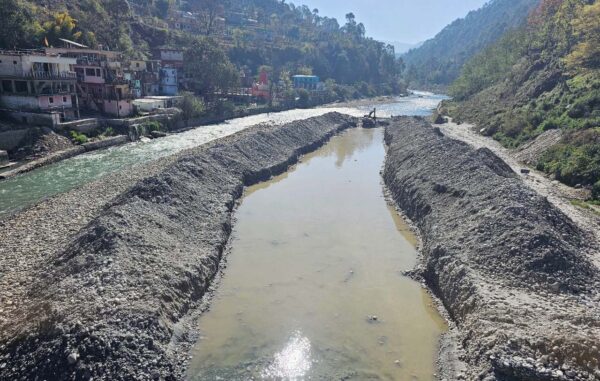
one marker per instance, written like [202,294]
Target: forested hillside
[286,38]
[545,76]
[439,60]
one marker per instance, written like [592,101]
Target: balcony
[69,75]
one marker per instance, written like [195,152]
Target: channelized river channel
[30,188]
[313,289]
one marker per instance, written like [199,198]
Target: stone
[72,358]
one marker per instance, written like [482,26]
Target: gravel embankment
[514,273]
[105,296]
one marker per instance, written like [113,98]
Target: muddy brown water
[316,254]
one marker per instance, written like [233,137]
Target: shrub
[152,125]
[78,137]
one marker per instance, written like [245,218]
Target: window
[50,100]
[21,87]
[7,86]
[90,72]
[98,73]
[137,64]
[64,99]
[14,62]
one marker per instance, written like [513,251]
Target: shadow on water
[313,288]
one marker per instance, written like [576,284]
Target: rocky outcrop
[513,272]
[113,304]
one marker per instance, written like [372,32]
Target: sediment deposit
[112,303]
[514,273]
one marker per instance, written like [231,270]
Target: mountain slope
[439,60]
[545,76]
[288,38]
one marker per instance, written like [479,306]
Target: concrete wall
[20,102]
[3,157]
[10,140]
[34,118]
[121,108]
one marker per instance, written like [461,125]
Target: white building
[35,81]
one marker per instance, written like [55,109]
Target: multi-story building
[101,82]
[38,82]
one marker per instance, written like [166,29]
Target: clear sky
[409,21]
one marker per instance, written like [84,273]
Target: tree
[587,28]
[209,11]
[17,26]
[208,68]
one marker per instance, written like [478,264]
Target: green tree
[208,68]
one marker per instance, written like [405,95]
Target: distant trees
[544,76]
[18,27]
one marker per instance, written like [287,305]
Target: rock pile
[113,305]
[513,272]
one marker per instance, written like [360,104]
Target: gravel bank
[514,272]
[105,297]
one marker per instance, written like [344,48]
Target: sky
[406,21]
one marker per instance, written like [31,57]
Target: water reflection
[291,363]
[316,253]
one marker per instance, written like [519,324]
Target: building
[261,88]
[38,82]
[101,83]
[169,57]
[168,81]
[152,103]
[308,82]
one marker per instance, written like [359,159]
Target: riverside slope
[111,305]
[513,272]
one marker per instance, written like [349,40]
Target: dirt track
[515,274]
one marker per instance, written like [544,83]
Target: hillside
[544,77]
[439,60]
[286,38]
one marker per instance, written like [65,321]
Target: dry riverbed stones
[114,302]
[513,272]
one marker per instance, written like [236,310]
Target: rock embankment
[111,305]
[513,272]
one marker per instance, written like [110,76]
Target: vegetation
[287,38]
[152,125]
[544,76]
[438,62]
[78,137]
[191,106]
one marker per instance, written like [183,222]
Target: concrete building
[38,82]
[168,81]
[308,82]
[101,82]
[153,103]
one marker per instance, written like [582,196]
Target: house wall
[171,55]
[57,101]
[41,102]
[20,102]
[168,81]
[97,78]
[120,109]
[15,64]
[147,106]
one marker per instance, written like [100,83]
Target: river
[313,288]
[30,188]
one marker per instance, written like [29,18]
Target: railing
[41,75]
[50,75]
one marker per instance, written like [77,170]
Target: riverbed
[29,188]
[313,287]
